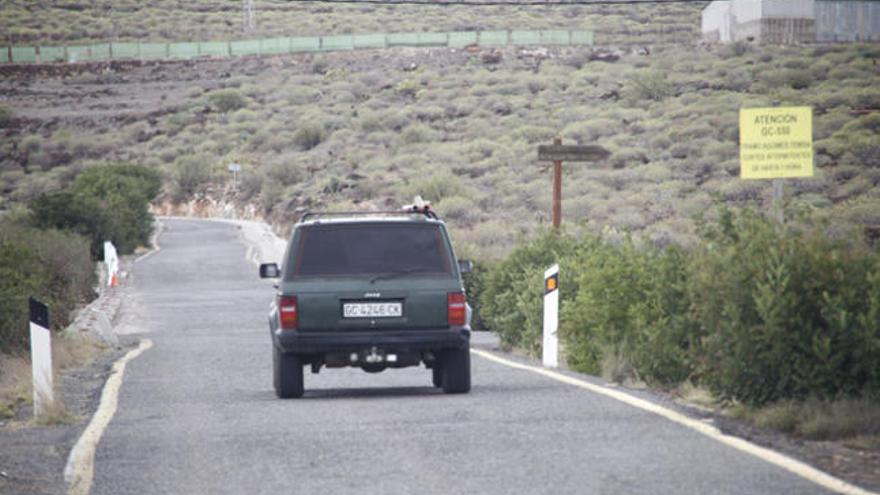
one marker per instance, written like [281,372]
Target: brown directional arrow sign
[572,153]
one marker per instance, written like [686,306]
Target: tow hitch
[373,356]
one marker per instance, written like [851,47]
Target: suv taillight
[288,312]
[456,308]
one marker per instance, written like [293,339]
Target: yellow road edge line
[793,466]
[80,468]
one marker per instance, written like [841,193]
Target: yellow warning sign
[776,143]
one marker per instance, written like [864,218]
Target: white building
[791,21]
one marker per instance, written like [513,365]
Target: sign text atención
[776,143]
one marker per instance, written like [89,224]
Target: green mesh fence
[101,52]
[152,51]
[298,45]
[49,54]
[79,53]
[214,48]
[183,50]
[337,43]
[187,50]
[369,41]
[24,54]
[462,39]
[245,47]
[274,46]
[492,38]
[417,39]
[581,37]
[126,51]
[549,37]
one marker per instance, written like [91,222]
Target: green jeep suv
[372,290]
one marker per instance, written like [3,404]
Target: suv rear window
[371,249]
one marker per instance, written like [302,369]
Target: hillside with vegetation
[75,21]
[372,129]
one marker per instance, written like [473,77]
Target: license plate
[372,310]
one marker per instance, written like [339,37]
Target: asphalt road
[197,413]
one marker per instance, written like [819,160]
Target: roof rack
[318,214]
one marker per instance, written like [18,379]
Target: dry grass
[855,421]
[16,390]
[616,367]
[15,384]
[54,413]
[696,395]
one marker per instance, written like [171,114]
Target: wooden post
[778,203]
[557,188]
[557,153]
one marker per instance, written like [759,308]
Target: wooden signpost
[558,153]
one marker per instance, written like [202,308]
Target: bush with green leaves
[757,312]
[5,115]
[50,265]
[227,100]
[649,85]
[190,172]
[786,311]
[104,203]
[510,298]
[309,136]
[436,187]
[630,302]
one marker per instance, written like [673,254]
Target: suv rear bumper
[320,342]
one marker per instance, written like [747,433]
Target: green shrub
[50,265]
[227,100]
[104,203]
[631,306]
[787,312]
[309,136]
[5,115]
[284,170]
[511,295]
[191,172]
[649,85]
[436,187]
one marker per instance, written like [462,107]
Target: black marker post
[41,356]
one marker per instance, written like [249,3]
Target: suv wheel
[288,375]
[456,371]
[437,375]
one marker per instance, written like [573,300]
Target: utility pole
[247,21]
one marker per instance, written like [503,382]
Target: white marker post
[111,259]
[41,356]
[551,317]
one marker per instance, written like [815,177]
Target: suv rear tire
[288,374]
[437,375]
[455,371]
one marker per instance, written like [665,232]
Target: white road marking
[80,468]
[154,245]
[797,467]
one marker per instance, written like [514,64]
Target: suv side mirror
[269,270]
[465,266]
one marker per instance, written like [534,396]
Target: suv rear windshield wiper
[398,273]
